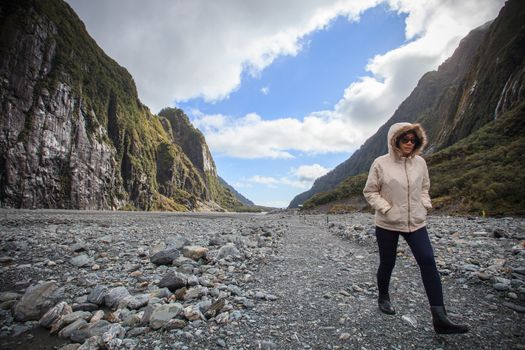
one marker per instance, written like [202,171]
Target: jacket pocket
[394,217]
[419,214]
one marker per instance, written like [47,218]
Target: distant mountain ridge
[482,80]
[74,134]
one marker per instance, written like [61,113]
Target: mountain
[481,81]
[74,134]
[239,196]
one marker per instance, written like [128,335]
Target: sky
[283,90]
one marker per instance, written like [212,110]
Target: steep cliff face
[482,79]
[73,133]
[495,82]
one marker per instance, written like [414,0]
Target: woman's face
[407,143]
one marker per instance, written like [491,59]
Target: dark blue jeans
[421,247]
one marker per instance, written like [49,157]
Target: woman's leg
[422,250]
[387,243]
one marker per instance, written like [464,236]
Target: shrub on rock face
[37,300]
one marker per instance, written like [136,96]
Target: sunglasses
[407,140]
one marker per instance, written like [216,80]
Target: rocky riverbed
[122,280]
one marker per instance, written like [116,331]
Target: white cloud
[265,90]
[309,172]
[177,50]
[301,177]
[264,180]
[253,137]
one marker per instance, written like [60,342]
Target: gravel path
[313,285]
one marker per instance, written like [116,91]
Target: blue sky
[317,75]
[283,90]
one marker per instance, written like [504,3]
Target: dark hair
[417,143]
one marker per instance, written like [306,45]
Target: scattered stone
[98,294]
[8,296]
[93,329]
[163,313]
[518,308]
[409,319]
[228,250]
[37,300]
[81,260]
[165,257]
[54,314]
[194,252]
[173,280]
[68,330]
[344,336]
[115,296]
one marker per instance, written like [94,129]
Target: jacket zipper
[408,195]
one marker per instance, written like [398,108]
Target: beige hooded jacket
[397,187]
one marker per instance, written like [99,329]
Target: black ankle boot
[384,304]
[442,324]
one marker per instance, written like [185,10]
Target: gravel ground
[302,282]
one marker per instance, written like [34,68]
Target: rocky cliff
[73,132]
[482,79]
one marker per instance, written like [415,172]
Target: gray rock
[160,293]
[135,332]
[502,287]
[72,347]
[93,343]
[518,308]
[8,296]
[173,280]
[409,319]
[165,257]
[163,313]
[177,242]
[78,247]
[115,297]
[194,252]
[98,294]
[81,260]
[228,250]
[520,270]
[75,326]
[85,307]
[37,300]
[138,301]
[114,331]
[93,329]
[54,314]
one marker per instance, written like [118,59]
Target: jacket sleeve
[425,196]
[372,190]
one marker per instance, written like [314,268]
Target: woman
[397,188]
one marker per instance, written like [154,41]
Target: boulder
[163,313]
[173,280]
[165,257]
[115,296]
[194,252]
[37,300]
[54,314]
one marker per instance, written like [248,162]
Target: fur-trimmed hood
[400,128]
